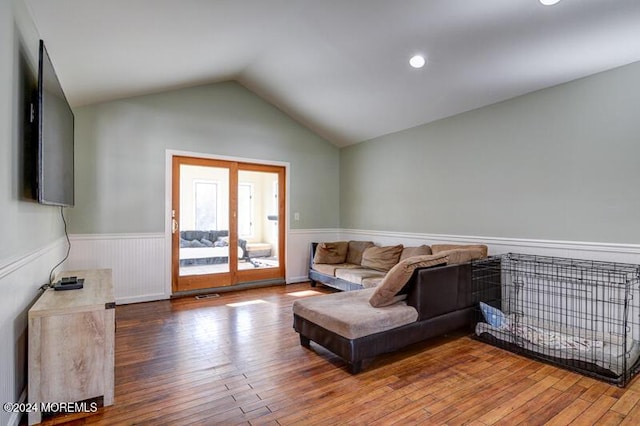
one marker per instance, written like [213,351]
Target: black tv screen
[55,146]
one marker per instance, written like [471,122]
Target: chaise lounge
[420,298]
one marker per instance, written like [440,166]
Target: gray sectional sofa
[208,247]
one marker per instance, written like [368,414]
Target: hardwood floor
[235,359]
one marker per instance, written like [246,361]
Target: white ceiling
[340,67]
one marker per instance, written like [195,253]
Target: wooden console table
[71,343]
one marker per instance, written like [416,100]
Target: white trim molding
[12,264]
[133,236]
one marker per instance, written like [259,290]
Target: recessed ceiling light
[549,2]
[417,61]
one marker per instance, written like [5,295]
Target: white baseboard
[300,279]
[141,299]
[14,420]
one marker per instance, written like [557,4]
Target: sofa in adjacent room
[208,247]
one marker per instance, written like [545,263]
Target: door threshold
[227,289]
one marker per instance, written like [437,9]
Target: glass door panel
[204,243]
[204,220]
[258,226]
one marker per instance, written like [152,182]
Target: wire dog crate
[578,314]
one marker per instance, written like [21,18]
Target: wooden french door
[227,223]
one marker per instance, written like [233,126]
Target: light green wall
[120,155]
[562,163]
[28,229]
[25,225]
[557,164]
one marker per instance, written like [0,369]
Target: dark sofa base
[354,351]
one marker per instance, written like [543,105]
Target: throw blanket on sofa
[387,291]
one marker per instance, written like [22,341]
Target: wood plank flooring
[235,359]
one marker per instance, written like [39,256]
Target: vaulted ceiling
[340,67]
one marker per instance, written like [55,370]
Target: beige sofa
[354,265]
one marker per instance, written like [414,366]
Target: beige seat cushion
[463,255]
[357,275]
[371,282]
[356,248]
[330,269]
[437,248]
[350,315]
[422,250]
[332,252]
[381,258]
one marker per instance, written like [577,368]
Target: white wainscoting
[137,262]
[140,264]
[626,253]
[298,242]
[20,278]
[141,267]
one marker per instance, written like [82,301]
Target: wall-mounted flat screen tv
[55,145]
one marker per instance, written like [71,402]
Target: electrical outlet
[296,216]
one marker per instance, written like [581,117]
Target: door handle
[174,226]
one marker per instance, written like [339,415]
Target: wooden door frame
[258,274]
[169,154]
[221,279]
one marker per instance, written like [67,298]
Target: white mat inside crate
[606,350]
